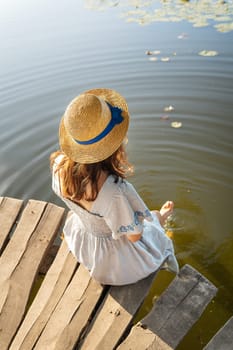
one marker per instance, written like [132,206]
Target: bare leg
[164,212]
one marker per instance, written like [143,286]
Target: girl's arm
[135,237]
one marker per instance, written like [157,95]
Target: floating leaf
[165,59]
[153,59]
[208,53]
[224,27]
[176,125]
[156,52]
[200,22]
[168,109]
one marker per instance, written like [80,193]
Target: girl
[110,230]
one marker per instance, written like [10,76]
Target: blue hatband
[116,118]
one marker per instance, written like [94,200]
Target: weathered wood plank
[116,313]
[16,247]
[143,339]
[175,312]
[223,339]
[9,210]
[72,313]
[20,261]
[47,298]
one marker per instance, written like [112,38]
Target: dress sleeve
[126,212]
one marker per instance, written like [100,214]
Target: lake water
[53,50]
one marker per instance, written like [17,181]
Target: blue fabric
[115,119]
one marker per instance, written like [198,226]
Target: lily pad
[153,59]
[224,27]
[208,53]
[168,109]
[176,125]
[165,59]
[156,52]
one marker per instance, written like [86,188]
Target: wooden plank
[116,313]
[143,339]
[174,313]
[20,261]
[17,245]
[47,298]
[9,210]
[72,313]
[223,339]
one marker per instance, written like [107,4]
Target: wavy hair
[75,177]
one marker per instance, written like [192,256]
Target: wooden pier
[73,311]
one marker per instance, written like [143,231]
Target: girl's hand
[134,238]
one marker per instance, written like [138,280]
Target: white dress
[97,238]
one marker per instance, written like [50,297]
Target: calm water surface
[52,51]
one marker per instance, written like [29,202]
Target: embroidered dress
[98,238]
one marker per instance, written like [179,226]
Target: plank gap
[92,317]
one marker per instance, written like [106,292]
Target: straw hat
[94,125]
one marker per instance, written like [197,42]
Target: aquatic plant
[200,13]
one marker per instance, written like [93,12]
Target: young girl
[110,230]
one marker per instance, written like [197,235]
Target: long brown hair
[75,177]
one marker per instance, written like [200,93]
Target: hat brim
[98,151]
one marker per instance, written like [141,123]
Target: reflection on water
[48,57]
[200,13]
